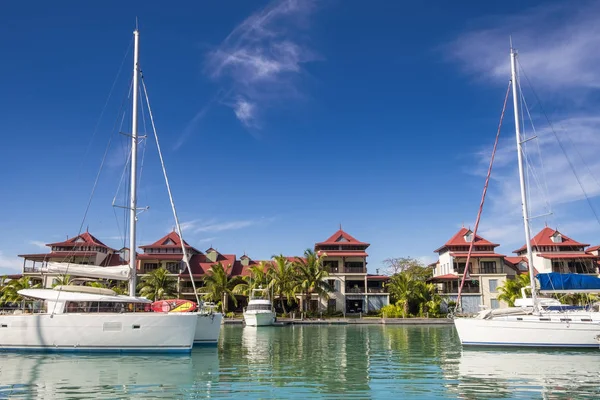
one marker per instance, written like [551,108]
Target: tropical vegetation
[282,280]
[410,293]
[10,288]
[258,279]
[310,275]
[158,285]
[219,286]
[511,289]
[63,280]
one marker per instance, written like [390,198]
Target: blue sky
[280,120]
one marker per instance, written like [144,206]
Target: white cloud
[245,111]
[263,57]
[559,43]
[39,244]
[558,51]
[206,240]
[212,225]
[10,265]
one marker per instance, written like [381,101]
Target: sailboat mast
[513,70]
[134,142]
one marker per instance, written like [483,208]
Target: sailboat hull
[529,331]
[208,328]
[99,332]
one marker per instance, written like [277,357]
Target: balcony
[355,270]
[355,290]
[376,290]
[466,289]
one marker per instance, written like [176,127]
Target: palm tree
[511,290]
[10,290]
[256,280]
[120,287]
[63,280]
[404,289]
[282,279]
[311,274]
[158,285]
[219,285]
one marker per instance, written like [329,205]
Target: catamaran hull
[208,328]
[259,319]
[512,332]
[110,332]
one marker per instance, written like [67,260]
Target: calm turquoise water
[366,362]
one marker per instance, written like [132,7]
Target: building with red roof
[553,251]
[487,270]
[345,257]
[355,291]
[84,249]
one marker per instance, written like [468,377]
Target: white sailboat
[259,311]
[535,322]
[76,319]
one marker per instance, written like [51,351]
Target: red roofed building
[487,270]
[355,291]
[553,251]
[82,249]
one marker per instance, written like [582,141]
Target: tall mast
[513,70]
[133,194]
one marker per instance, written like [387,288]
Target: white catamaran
[76,318]
[536,321]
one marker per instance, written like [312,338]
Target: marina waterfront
[311,361]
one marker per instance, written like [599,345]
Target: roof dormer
[468,236]
[212,254]
[556,237]
[245,260]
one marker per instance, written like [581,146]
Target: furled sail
[554,282]
[119,272]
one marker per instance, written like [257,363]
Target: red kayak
[173,305]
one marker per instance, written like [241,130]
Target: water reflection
[88,376]
[366,362]
[511,373]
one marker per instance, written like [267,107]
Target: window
[331,283]
[331,306]
[495,303]
[259,307]
[461,267]
[332,266]
[173,267]
[149,267]
[493,285]
[488,267]
[354,267]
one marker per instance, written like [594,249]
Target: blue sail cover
[553,281]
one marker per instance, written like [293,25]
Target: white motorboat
[88,319]
[534,322]
[259,311]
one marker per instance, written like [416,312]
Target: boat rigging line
[485,186]
[564,150]
[162,163]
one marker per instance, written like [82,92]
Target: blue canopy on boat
[556,282]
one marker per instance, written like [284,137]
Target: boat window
[255,307]
[103,307]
